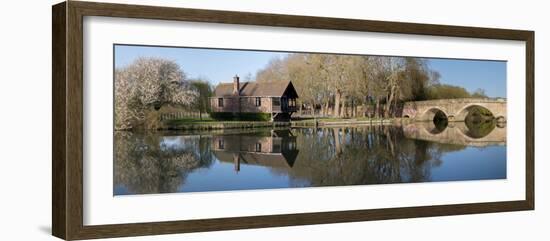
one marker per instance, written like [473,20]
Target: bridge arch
[454,109]
[433,129]
[500,118]
[431,113]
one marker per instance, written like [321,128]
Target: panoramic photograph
[203,119]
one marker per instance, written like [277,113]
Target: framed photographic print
[171,120]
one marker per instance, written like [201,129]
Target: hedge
[240,116]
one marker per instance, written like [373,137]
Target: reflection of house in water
[275,148]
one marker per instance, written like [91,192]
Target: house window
[258,101]
[258,147]
[220,102]
[276,101]
[221,144]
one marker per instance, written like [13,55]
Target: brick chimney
[236,85]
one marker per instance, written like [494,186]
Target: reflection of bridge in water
[456,133]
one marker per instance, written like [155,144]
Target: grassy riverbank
[211,124]
[345,121]
[189,124]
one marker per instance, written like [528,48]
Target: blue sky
[473,74]
[218,65]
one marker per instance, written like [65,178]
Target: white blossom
[145,86]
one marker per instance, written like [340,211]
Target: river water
[169,162]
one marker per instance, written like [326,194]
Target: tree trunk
[390,141]
[376,108]
[344,111]
[337,98]
[389,101]
[337,144]
[322,110]
[395,105]
[353,109]
[391,95]
[313,109]
[326,108]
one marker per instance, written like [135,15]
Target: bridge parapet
[454,109]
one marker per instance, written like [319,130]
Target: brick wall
[247,104]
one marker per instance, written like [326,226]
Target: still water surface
[168,162]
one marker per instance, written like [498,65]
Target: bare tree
[345,82]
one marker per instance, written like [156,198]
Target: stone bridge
[456,133]
[454,109]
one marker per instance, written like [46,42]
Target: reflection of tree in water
[479,128]
[147,163]
[480,122]
[152,163]
[365,155]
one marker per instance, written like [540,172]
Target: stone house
[277,98]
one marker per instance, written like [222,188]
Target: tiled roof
[274,88]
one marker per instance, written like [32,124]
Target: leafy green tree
[479,93]
[204,92]
[444,91]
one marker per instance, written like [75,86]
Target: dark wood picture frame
[67,100]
